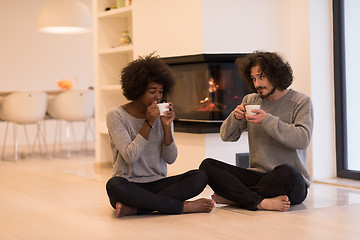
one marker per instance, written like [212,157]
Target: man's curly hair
[136,76]
[277,71]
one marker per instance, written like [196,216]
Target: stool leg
[84,144]
[43,135]
[3,150]
[15,142]
[75,141]
[57,137]
[40,137]
[27,141]
[87,129]
[68,139]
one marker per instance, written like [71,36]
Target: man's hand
[258,118]
[240,111]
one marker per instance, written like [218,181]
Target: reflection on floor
[66,199]
[319,196]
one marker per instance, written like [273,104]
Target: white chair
[23,108]
[72,106]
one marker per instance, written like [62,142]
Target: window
[346,70]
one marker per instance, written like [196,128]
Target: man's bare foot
[123,210]
[279,203]
[199,205]
[221,200]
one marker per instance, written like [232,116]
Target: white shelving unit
[110,58]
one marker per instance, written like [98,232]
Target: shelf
[110,58]
[124,12]
[120,49]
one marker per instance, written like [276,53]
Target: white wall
[170,28]
[244,26]
[225,151]
[193,148]
[299,55]
[32,60]
[191,151]
[322,88]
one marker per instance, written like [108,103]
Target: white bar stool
[72,106]
[24,108]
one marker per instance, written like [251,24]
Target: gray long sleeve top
[282,137]
[134,157]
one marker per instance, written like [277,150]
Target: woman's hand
[152,113]
[166,120]
[168,116]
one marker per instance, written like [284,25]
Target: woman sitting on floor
[142,144]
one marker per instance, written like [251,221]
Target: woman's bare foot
[123,210]
[199,205]
[221,200]
[279,203]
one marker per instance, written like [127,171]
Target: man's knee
[206,163]
[287,172]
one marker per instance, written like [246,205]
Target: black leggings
[166,195]
[248,188]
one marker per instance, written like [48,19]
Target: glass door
[347,85]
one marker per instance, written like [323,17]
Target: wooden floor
[66,199]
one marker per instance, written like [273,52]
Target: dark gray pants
[248,188]
[166,195]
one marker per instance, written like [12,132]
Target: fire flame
[205,100]
[212,86]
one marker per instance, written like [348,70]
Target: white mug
[251,107]
[163,108]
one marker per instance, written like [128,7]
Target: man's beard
[266,95]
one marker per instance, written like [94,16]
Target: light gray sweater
[283,136]
[134,157]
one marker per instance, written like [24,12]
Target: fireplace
[208,87]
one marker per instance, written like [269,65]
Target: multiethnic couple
[142,143]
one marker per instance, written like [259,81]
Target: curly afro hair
[277,71]
[136,76]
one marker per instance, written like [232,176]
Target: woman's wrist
[150,125]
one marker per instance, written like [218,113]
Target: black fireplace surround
[208,87]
